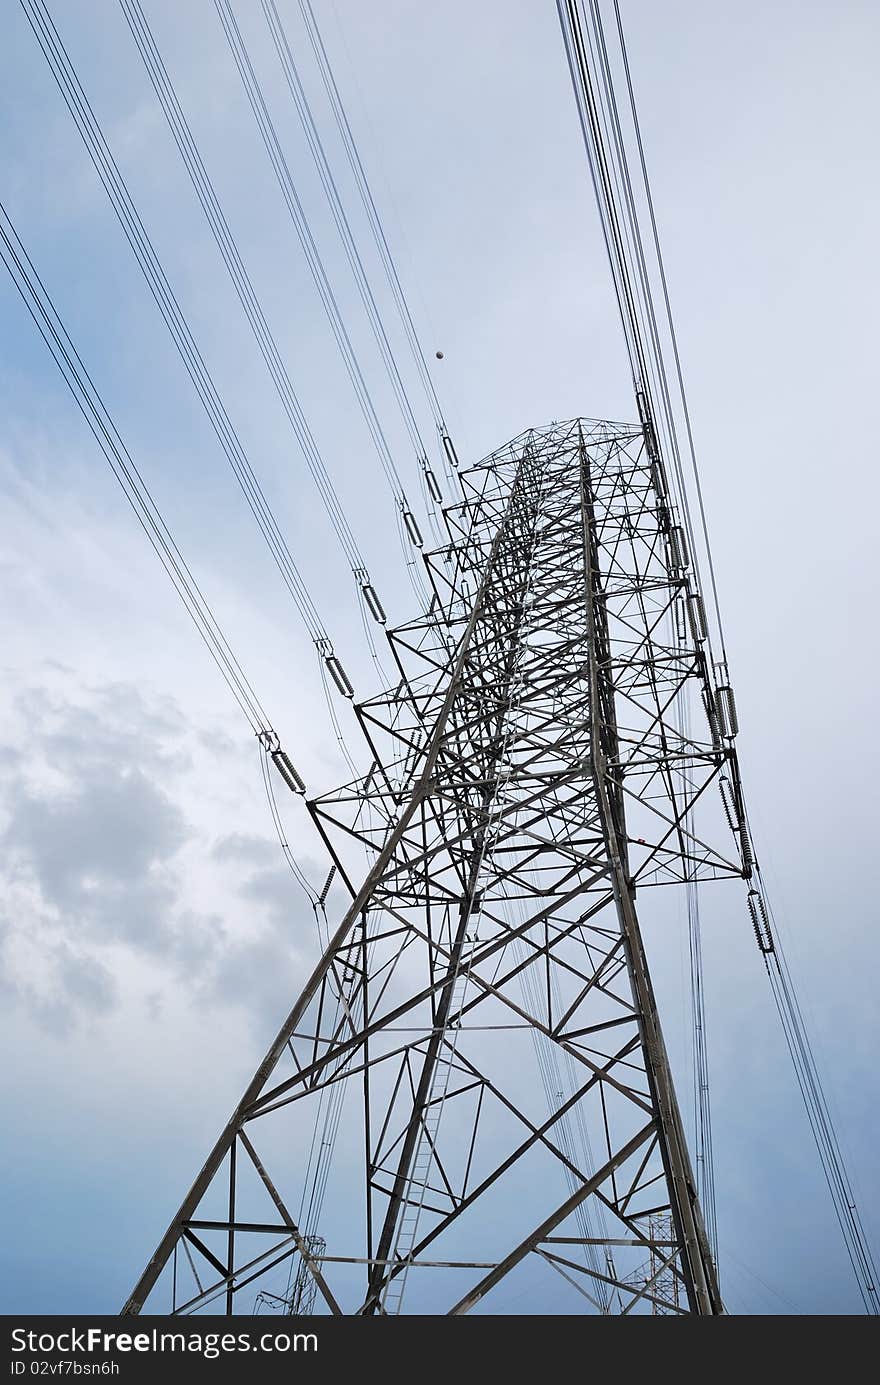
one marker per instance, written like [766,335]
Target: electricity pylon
[472,1088]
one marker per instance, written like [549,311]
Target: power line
[360,175]
[268,132]
[296,869]
[603,140]
[90,403]
[108,171]
[226,243]
[105,165]
[821,1123]
[343,225]
[355,161]
[670,321]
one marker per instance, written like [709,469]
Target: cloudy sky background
[151,935]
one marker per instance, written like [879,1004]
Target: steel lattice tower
[475,1071]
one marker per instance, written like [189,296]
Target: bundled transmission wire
[39,304]
[253,310]
[593,82]
[821,1123]
[90,403]
[163,294]
[343,225]
[166,300]
[169,306]
[352,153]
[599,115]
[408,528]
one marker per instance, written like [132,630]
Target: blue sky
[151,937]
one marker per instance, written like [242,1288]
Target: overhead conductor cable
[87,397]
[160,288]
[374,220]
[250,303]
[256,99]
[166,300]
[331,192]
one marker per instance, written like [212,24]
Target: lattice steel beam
[480,1041]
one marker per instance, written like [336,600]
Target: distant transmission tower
[472,1089]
